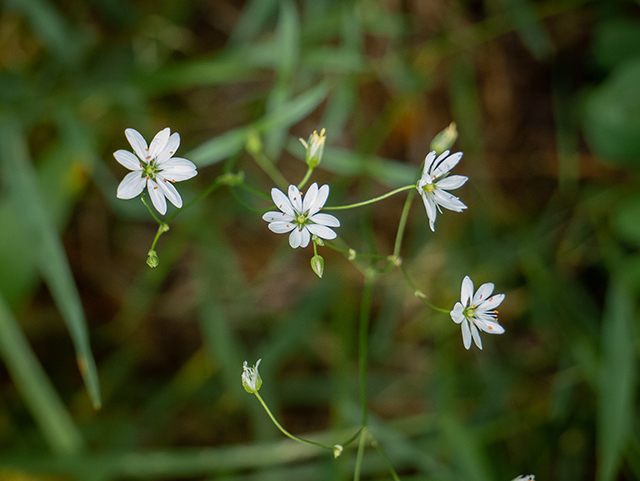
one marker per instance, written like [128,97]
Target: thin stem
[274,174]
[363,436]
[217,183]
[162,228]
[419,294]
[365,314]
[386,460]
[352,438]
[287,433]
[257,192]
[371,201]
[240,201]
[403,224]
[355,254]
[143,198]
[305,178]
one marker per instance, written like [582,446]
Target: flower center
[301,219]
[429,187]
[469,312]
[150,170]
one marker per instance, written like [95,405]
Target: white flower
[435,182]
[525,477]
[299,217]
[477,312]
[251,379]
[154,168]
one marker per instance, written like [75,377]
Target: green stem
[363,436]
[305,178]
[162,228]
[274,174]
[357,254]
[387,461]
[371,201]
[419,294]
[254,191]
[287,433]
[365,314]
[143,198]
[217,183]
[403,224]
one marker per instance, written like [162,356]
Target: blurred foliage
[546,101]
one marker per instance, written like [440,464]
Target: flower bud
[254,144]
[317,264]
[445,139]
[315,148]
[337,450]
[251,380]
[152,259]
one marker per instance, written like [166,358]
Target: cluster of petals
[301,217]
[154,168]
[435,182]
[251,380]
[477,312]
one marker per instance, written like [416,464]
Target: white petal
[428,162]
[178,169]
[295,238]
[169,191]
[431,210]
[310,197]
[170,148]
[157,197]
[306,237]
[138,143]
[483,293]
[322,231]
[467,290]
[476,336]
[159,142]
[446,165]
[456,313]
[490,327]
[127,159]
[274,216]
[131,186]
[318,202]
[281,227]
[325,219]
[452,182]
[466,335]
[448,201]
[282,201]
[295,196]
[493,302]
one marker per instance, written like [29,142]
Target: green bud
[317,264]
[445,139]
[254,144]
[251,380]
[352,254]
[317,240]
[152,259]
[315,148]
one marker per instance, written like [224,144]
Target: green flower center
[150,170]
[301,219]
[429,187]
[469,312]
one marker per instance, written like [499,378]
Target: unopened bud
[337,450]
[317,264]
[251,380]
[445,139]
[315,148]
[152,259]
[254,144]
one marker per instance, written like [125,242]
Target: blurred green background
[546,97]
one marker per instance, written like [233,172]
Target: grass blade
[35,387]
[47,247]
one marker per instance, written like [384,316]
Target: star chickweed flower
[301,218]
[154,168]
[477,312]
[525,477]
[435,182]
[251,380]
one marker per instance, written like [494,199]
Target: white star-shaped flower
[477,312]
[301,217]
[435,182]
[525,477]
[154,168]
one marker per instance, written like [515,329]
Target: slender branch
[386,460]
[217,183]
[365,314]
[403,224]
[143,198]
[363,436]
[267,166]
[305,178]
[287,433]
[371,201]
[419,294]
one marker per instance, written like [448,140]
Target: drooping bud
[317,264]
[152,259]
[251,380]
[337,450]
[315,148]
[445,139]
[254,144]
